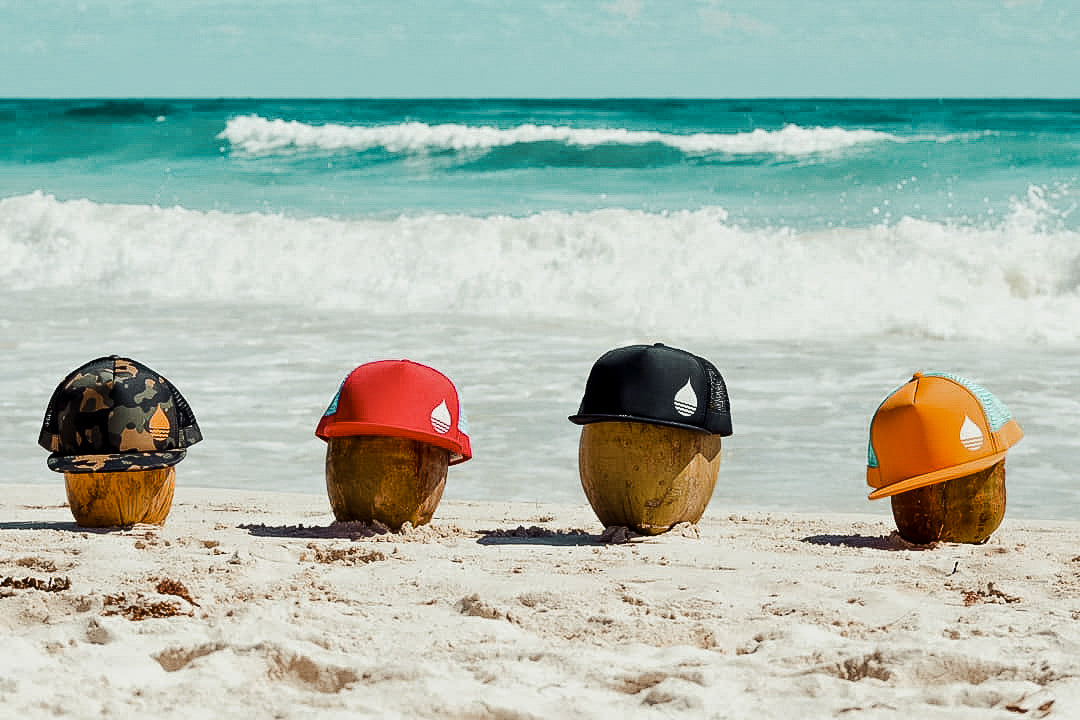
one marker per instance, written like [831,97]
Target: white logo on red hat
[440,418]
[971,436]
[686,400]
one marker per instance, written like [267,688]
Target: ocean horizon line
[554,98]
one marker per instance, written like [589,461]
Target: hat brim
[594,418]
[122,462]
[459,453]
[938,476]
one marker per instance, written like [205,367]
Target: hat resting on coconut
[399,398]
[656,384]
[934,428]
[115,414]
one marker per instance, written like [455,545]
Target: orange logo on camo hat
[935,428]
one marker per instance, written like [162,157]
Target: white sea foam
[256,135]
[694,272]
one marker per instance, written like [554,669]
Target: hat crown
[656,384]
[113,409]
[933,428]
[398,398]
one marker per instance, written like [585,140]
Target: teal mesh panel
[332,408]
[871,457]
[462,422]
[996,412]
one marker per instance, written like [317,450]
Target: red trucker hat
[399,398]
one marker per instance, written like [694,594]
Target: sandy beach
[259,605]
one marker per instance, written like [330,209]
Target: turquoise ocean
[817,251]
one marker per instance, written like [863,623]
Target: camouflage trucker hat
[114,414]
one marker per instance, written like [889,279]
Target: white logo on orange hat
[686,400]
[440,418]
[971,436]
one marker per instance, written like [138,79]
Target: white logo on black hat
[971,436]
[440,418]
[686,400]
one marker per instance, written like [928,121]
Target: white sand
[748,615]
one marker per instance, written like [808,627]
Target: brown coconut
[647,477]
[113,499]
[389,479]
[966,509]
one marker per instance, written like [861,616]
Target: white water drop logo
[686,400]
[971,436]
[440,418]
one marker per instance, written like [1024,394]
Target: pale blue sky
[539,48]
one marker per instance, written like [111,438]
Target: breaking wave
[692,270]
[258,136]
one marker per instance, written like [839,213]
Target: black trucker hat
[114,414]
[656,384]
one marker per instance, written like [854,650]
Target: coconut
[966,509]
[113,499]
[392,480]
[647,477]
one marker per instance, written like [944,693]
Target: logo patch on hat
[440,418]
[686,400]
[122,367]
[159,425]
[971,436]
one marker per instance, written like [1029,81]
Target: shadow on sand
[535,535]
[336,530]
[70,526]
[892,541]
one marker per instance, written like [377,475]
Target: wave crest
[688,273]
[256,135]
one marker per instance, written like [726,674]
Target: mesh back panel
[50,426]
[189,429]
[871,456]
[183,410]
[718,397]
[717,408]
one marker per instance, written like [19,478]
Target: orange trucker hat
[934,428]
